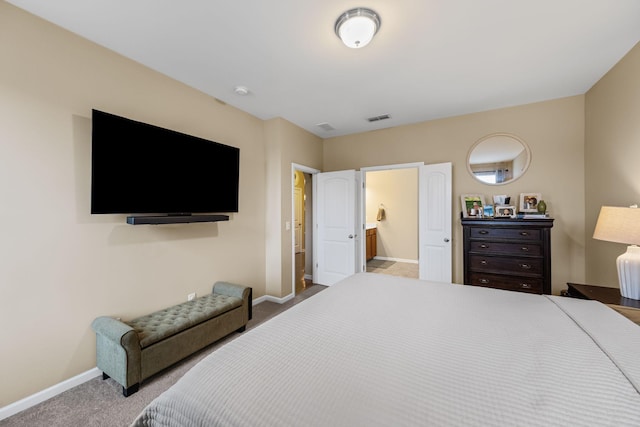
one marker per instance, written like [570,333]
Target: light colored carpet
[393,268]
[100,403]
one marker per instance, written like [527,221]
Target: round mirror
[498,158]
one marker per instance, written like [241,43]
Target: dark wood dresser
[506,253]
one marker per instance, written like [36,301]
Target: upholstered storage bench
[132,351]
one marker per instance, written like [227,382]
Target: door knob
[446,240]
[351,236]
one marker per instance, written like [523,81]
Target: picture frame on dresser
[472,205]
[529,202]
[506,212]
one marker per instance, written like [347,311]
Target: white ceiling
[431,58]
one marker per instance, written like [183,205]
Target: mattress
[376,350]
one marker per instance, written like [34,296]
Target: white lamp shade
[620,225]
[357,27]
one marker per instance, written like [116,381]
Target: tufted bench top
[157,326]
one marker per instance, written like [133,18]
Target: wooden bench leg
[126,392]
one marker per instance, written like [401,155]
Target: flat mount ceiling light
[241,90]
[356,27]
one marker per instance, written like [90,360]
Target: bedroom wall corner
[612,149]
[287,144]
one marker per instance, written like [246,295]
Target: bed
[376,350]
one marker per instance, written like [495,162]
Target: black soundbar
[174,219]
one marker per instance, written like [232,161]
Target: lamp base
[629,272]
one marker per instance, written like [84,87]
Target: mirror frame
[501,134]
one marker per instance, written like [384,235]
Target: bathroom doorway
[391,213]
[433,231]
[302,206]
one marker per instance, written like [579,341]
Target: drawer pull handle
[483,246]
[525,266]
[484,281]
[483,232]
[525,249]
[525,285]
[524,233]
[484,262]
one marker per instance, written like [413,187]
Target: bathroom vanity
[372,241]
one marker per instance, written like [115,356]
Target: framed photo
[502,200]
[472,205]
[506,212]
[529,202]
[488,211]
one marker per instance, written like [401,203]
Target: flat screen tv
[138,168]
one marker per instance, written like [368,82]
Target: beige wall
[397,191]
[554,130]
[61,267]
[612,150]
[286,144]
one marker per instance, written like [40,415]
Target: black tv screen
[141,168]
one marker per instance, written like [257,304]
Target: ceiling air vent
[326,126]
[378,118]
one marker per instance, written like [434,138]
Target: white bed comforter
[377,350]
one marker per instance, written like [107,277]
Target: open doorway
[302,236]
[391,217]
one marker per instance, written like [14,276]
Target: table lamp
[622,225]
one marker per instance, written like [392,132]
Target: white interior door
[435,222]
[336,226]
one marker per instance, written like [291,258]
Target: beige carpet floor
[393,268]
[100,403]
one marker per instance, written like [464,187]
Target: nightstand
[628,307]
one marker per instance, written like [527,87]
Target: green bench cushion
[157,326]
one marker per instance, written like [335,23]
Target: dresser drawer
[487,247]
[528,266]
[504,233]
[509,283]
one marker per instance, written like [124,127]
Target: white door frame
[311,171]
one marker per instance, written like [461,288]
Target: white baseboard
[272,299]
[257,301]
[54,390]
[276,299]
[384,258]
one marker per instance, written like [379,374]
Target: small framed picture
[502,200]
[472,205]
[506,212]
[488,211]
[529,202]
